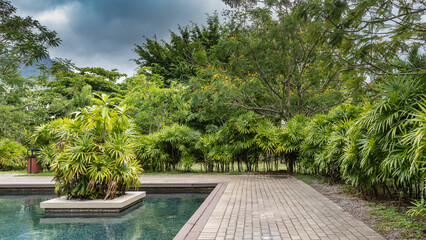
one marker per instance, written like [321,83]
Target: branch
[260,69]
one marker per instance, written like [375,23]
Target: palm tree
[205,144]
[165,149]
[416,138]
[150,152]
[316,132]
[96,158]
[266,139]
[241,131]
[178,141]
[384,155]
[291,137]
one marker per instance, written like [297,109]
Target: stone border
[116,205]
[192,228]
[157,187]
[26,188]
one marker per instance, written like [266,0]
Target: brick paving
[261,207]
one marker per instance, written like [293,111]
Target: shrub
[12,155]
[96,157]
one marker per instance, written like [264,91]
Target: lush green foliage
[334,88]
[370,147]
[165,149]
[391,218]
[94,151]
[179,59]
[156,106]
[23,40]
[12,155]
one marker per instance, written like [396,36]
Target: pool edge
[190,230]
[193,227]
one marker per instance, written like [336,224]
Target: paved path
[261,207]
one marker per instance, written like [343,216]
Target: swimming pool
[158,216]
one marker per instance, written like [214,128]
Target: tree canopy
[187,50]
[328,87]
[22,41]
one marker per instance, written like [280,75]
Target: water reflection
[158,216]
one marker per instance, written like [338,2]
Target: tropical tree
[205,144]
[417,139]
[154,105]
[23,40]
[373,36]
[240,130]
[376,36]
[325,140]
[290,138]
[168,148]
[275,62]
[95,151]
[377,151]
[180,58]
[267,142]
[70,80]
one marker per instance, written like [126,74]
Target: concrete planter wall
[116,205]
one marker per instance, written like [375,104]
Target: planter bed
[62,205]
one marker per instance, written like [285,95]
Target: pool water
[158,216]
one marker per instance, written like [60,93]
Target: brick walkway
[262,207]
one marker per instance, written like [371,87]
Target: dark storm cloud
[103,32]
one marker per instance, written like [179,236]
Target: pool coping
[190,230]
[62,205]
[193,227]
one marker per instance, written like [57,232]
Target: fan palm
[166,148]
[241,131]
[290,138]
[384,155]
[205,144]
[416,138]
[97,152]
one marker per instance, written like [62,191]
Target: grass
[308,179]
[40,174]
[23,173]
[391,218]
[186,172]
[311,179]
[13,172]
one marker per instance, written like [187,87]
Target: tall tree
[179,58]
[154,105]
[22,41]
[279,64]
[371,38]
[377,36]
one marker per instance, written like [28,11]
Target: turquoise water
[159,216]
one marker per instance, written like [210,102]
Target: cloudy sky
[102,33]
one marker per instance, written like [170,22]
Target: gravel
[356,206]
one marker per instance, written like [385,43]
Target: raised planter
[62,205]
